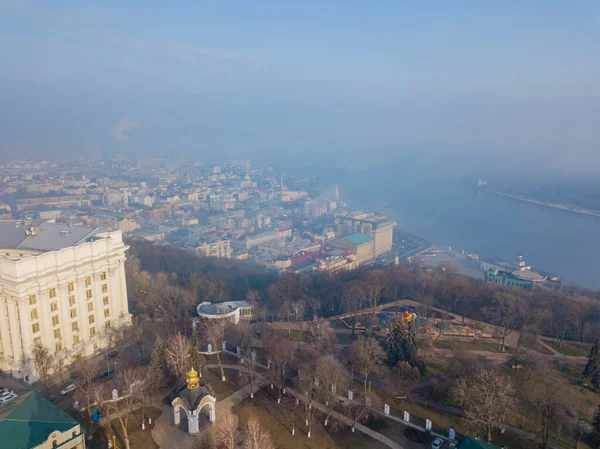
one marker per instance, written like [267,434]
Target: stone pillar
[428,424]
[193,426]
[25,331]
[386,409]
[15,335]
[176,415]
[213,415]
[406,416]
[350,395]
[5,329]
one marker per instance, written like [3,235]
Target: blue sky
[316,77]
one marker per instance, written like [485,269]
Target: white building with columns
[60,286]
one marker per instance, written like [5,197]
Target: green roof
[29,420]
[358,238]
[472,443]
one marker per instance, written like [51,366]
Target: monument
[194,403]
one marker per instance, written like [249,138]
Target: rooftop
[358,238]
[43,236]
[29,420]
[220,308]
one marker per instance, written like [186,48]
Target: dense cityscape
[299,225]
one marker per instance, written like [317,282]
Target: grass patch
[570,350]
[344,338]
[276,418]
[138,438]
[223,389]
[467,345]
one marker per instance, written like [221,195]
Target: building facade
[61,287]
[218,248]
[379,227]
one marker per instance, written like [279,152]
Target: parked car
[6,397]
[105,373]
[436,444]
[67,389]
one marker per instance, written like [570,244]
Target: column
[123,290]
[17,345]
[25,329]
[81,300]
[5,330]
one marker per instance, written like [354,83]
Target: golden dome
[193,381]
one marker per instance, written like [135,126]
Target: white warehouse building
[60,286]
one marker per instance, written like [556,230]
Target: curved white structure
[228,310]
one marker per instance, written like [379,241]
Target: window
[106,312]
[103,276]
[53,306]
[104,288]
[88,281]
[88,293]
[107,324]
[92,319]
[34,314]
[70,286]
[58,347]
[105,300]
[37,341]
[35,327]
[90,306]
[75,326]
[56,333]
[75,339]
[55,320]
[52,293]
[73,313]
[72,300]
[92,331]
[32,300]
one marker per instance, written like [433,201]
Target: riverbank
[565,207]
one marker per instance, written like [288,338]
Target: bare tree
[44,364]
[214,332]
[486,398]
[375,282]
[355,295]
[139,332]
[545,394]
[178,356]
[281,355]
[255,437]
[507,313]
[333,379]
[226,430]
[362,408]
[84,383]
[309,386]
[321,335]
[250,368]
[366,354]
[129,387]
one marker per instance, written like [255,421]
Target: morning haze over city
[272,225]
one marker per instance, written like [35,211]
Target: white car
[436,444]
[67,389]
[5,397]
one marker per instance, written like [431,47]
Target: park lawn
[345,338]
[569,349]
[275,419]
[467,345]
[222,389]
[138,438]
[337,324]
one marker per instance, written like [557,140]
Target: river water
[449,209]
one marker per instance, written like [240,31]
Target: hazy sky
[508,82]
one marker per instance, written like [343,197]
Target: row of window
[71,287]
[73,312]
[76,339]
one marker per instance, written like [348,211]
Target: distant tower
[396,260]
[281,184]
[336,193]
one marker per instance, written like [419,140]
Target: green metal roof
[358,238]
[472,443]
[29,420]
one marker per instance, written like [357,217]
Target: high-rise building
[62,287]
[218,248]
[379,227]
